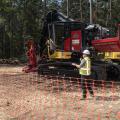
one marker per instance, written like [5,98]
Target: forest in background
[22,18]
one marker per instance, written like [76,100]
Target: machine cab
[65,38]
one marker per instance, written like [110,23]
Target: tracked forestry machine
[63,41]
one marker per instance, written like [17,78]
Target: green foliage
[22,18]
[103,14]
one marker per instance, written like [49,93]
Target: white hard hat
[87,52]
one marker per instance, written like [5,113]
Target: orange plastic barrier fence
[45,97]
[68,104]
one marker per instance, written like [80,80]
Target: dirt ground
[27,96]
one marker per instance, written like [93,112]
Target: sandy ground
[27,96]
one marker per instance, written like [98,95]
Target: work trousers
[86,84]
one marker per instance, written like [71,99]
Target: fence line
[59,97]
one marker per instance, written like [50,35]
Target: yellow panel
[60,55]
[112,55]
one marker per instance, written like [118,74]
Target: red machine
[108,44]
[75,42]
[69,38]
[31,55]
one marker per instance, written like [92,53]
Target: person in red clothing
[31,55]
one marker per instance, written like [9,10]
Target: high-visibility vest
[86,69]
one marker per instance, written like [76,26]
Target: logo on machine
[75,41]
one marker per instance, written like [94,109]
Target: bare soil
[27,96]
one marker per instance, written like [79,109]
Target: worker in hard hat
[85,72]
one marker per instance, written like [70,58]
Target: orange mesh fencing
[46,97]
